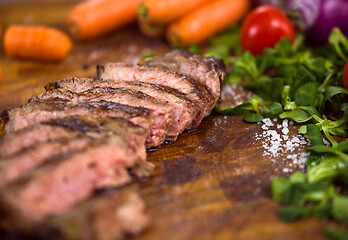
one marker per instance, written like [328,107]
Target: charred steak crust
[208,71]
[40,110]
[184,109]
[193,90]
[162,114]
[15,165]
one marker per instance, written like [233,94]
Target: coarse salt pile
[279,144]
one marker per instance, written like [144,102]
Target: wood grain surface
[212,183]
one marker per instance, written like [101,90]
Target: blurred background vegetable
[36,42]
[205,21]
[316,18]
[165,11]
[264,27]
[95,18]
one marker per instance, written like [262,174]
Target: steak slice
[161,117]
[194,91]
[208,71]
[41,110]
[110,214]
[184,109]
[67,179]
[14,166]
[29,136]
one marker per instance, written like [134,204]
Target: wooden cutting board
[212,183]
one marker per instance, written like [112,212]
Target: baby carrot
[36,42]
[165,11]
[94,18]
[205,21]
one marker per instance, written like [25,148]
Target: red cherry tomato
[345,76]
[264,27]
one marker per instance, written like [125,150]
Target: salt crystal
[285,130]
[285,123]
[268,122]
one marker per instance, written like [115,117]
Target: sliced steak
[205,70]
[194,91]
[37,111]
[39,138]
[111,214]
[162,113]
[184,109]
[31,135]
[3,121]
[67,179]
[14,166]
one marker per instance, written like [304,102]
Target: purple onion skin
[318,16]
[333,13]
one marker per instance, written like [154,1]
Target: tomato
[345,76]
[264,27]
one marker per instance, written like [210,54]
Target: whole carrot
[36,42]
[165,11]
[94,18]
[205,21]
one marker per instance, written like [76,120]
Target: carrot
[165,11]
[94,18]
[36,42]
[205,21]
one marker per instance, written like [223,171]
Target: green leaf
[298,177]
[326,169]
[279,185]
[306,94]
[253,117]
[340,208]
[292,213]
[336,234]
[296,115]
[334,90]
[314,135]
[343,146]
[267,88]
[272,110]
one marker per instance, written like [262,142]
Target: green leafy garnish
[303,84]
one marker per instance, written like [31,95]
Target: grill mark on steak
[194,91]
[161,117]
[208,71]
[31,135]
[63,181]
[14,166]
[41,110]
[184,109]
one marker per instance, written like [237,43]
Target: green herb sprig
[303,84]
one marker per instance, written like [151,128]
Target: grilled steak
[208,71]
[3,122]
[31,135]
[37,111]
[110,214]
[162,114]
[41,137]
[184,110]
[64,180]
[14,166]
[194,91]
